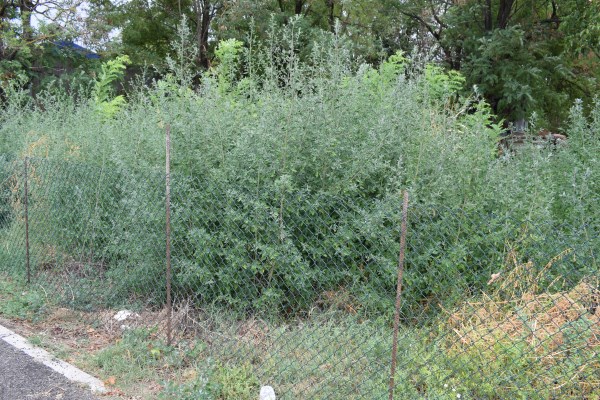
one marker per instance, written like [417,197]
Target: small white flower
[458,396]
[445,385]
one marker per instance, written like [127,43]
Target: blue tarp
[67,44]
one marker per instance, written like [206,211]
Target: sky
[77,20]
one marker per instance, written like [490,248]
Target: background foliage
[532,57]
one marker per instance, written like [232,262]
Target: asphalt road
[23,378]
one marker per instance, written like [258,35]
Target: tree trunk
[504,13]
[26,7]
[204,11]
[487,16]
[331,18]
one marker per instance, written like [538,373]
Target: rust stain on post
[168,234]
[398,293]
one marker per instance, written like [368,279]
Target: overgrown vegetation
[286,183]
[520,339]
[286,200]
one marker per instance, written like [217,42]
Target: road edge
[69,371]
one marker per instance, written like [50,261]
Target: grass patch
[518,339]
[136,358]
[21,301]
[215,382]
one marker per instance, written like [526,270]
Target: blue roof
[67,44]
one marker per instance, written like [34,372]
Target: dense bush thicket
[287,180]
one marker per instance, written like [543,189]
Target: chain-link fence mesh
[297,290]
[95,235]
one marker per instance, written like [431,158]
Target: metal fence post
[26,199]
[168,234]
[398,293]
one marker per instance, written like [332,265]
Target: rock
[267,393]
[123,315]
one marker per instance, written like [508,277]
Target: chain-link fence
[298,290]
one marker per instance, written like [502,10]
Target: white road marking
[42,356]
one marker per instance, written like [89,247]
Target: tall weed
[287,179]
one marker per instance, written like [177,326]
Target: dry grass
[560,328]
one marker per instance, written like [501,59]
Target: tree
[373,26]
[516,52]
[148,27]
[26,50]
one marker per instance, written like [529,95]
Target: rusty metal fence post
[168,233]
[26,203]
[398,293]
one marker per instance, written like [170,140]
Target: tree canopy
[526,57]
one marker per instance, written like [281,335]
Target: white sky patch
[74,17]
